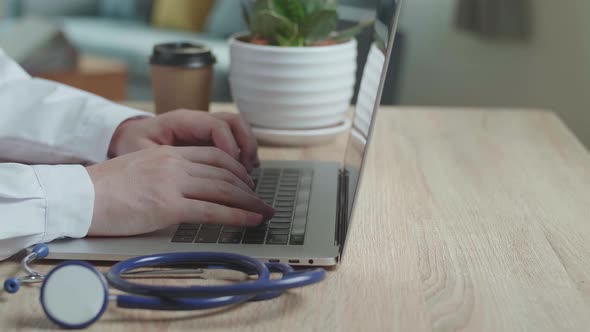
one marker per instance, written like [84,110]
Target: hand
[227,131]
[151,189]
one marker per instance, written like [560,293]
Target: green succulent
[297,22]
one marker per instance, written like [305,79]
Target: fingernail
[257,220]
[272,212]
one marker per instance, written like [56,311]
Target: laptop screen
[370,92]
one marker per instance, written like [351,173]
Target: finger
[244,138]
[198,127]
[201,212]
[221,192]
[211,172]
[224,139]
[215,157]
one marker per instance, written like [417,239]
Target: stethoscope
[75,294]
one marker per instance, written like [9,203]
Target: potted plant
[292,70]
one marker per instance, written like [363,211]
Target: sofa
[122,29]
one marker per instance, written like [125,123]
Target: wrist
[119,136]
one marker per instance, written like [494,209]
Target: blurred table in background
[41,47]
[102,76]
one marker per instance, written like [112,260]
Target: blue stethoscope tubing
[207,297]
[142,296]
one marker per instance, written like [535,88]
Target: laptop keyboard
[287,190]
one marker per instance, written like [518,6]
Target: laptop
[313,200]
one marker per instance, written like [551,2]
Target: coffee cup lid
[182,55]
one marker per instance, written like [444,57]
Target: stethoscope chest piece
[74,295]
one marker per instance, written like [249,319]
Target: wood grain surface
[474,220]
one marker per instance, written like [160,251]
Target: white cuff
[69,195]
[98,128]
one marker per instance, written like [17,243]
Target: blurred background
[475,53]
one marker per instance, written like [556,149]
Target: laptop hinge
[342,209]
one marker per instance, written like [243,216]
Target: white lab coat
[43,124]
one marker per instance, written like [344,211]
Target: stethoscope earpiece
[12,285]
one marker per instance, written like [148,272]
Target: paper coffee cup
[182,76]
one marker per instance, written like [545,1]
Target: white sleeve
[42,203]
[45,122]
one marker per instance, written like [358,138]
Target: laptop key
[207,236]
[296,240]
[301,211]
[255,231]
[190,232]
[277,220]
[286,200]
[258,229]
[211,226]
[270,193]
[276,231]
[188,226]
[230,238]
[280,226]
[267,191]
[232,229]
[277,239]
[298,230]
[283,215]
[288,188]
[253,240]
[183,239]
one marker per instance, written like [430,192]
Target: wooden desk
[467,220]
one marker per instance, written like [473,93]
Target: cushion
[186,15]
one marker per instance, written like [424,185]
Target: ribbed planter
[292,87]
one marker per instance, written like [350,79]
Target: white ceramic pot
[292,87]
